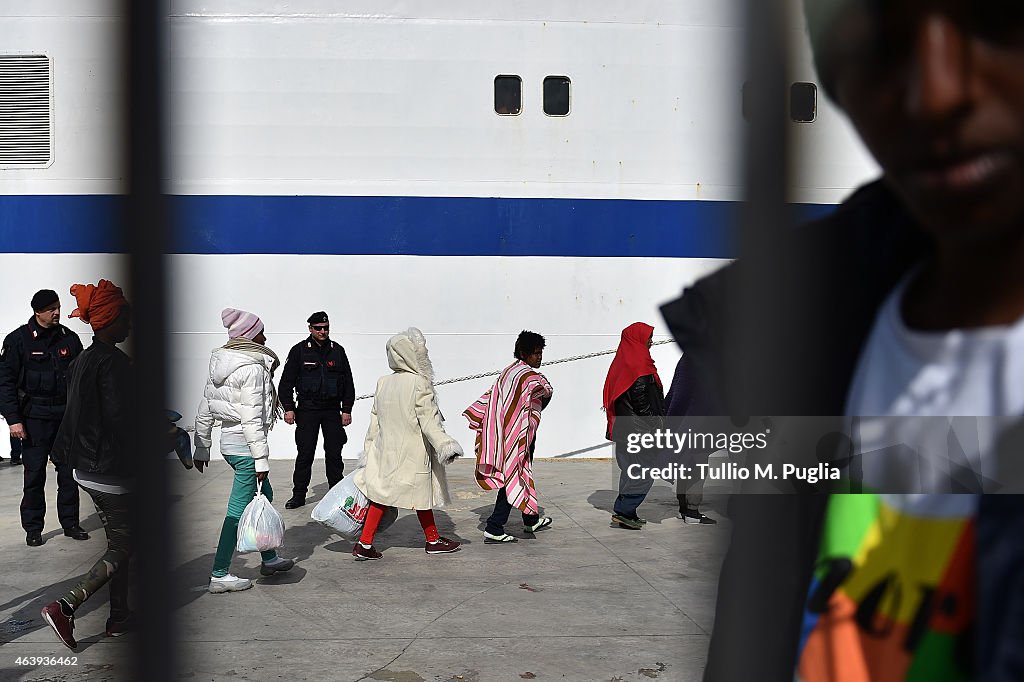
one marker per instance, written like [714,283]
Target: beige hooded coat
[406,445]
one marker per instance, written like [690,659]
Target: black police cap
[317,318]
[43,299]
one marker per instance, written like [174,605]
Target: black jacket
[95,435]
[34,366]
[639,409]
[317,378]
[765,348]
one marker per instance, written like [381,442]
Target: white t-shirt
[113,485]
[945,381]
[924,405]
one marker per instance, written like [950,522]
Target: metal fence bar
[145,229]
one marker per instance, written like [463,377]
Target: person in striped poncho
[505,419]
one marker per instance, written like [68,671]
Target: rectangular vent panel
[26,129]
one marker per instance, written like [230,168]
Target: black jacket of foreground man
[794,352]
[96,433]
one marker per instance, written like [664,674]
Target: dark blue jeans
[499,517]
[632,492]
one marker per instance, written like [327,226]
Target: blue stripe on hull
[423,226]
[79,223]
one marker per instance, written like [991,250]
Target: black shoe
[34,539]
[76,532]
[15,461]
[116,628]
[295,502]
[694,517]
[627,522]
[278,565]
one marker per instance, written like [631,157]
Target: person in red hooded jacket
[634,402]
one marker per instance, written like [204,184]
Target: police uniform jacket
[34,366]
[317,377]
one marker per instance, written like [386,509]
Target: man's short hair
[527,344]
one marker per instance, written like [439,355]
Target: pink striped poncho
[505,419]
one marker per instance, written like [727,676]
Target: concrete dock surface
[578,601]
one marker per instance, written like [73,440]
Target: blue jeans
[632,492]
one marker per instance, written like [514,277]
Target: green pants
[242,491]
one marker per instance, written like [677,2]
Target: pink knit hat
[241,324]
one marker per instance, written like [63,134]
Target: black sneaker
[76,532]
[627,522]
[278,565]
[694,517]
[116,628]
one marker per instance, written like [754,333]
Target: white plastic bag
[260,529]
[343,510]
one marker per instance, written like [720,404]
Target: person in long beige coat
[406,446]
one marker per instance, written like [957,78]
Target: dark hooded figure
[910,304]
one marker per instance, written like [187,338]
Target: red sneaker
[365,553]
[63,625]
[442,546]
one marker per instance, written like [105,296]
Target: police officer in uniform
[317,371]
[33,393]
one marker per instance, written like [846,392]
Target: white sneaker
[229,583]
[542,523]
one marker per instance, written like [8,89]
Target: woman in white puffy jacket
[240,395]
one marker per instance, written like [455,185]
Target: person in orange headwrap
[634,403]
[99,305]
[95,440]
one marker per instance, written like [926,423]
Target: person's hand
[18,431]
[201,457]
[346,419]
[289,417]
[261,475]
